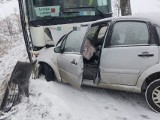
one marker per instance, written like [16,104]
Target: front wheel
[152,95]
[48,72]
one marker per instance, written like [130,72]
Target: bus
[46,21]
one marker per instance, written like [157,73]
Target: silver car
[125,56]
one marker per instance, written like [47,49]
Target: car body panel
[47,55]
[127,88]
[71,68]
[116,71]
[122,65]
[147,73]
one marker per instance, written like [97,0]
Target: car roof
[152,17]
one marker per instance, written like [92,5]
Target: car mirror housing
[58,49]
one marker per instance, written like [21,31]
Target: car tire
[152,95]
[48,72]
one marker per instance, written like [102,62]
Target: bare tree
[122,7]
[125,7]
[117,8]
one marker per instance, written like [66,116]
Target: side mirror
[58,49]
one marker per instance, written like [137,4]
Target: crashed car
[126,57]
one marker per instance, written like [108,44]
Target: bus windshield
[48,9]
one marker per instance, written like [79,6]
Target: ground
[58,101]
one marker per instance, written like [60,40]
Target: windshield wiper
[92,7]
[70,12]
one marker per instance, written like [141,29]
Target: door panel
[131,51]
[71,68]
[122,65]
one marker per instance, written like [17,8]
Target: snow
[58,101]
[8,8]
[16,52]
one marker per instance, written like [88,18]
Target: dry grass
[5,44]
[10,27]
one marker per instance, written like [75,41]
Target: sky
[138,6]
[141,6]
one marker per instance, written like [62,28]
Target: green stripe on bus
[90,2]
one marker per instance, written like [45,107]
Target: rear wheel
[152,95]
[48,72]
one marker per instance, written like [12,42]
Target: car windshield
[63,38]
[74,40]
[47,9]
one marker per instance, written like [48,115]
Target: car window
[96,34]
[158,31]
[130,33]
[91,32]
[102,32]
[74,40]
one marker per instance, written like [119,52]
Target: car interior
[96,36]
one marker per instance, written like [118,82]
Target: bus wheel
[152,95]
[48,72]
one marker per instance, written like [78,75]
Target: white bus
[44,22]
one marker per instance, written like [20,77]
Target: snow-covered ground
[57,101]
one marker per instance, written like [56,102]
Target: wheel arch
[149,80]
[152,95]
[52,65]
[148,76]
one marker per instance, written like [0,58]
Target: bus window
[67,9]
[69,3]
[42,3]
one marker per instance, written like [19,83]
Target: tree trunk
[125,7]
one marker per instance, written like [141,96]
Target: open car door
[71,68]
[70,61]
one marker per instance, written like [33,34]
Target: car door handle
[74,62]
[145,54]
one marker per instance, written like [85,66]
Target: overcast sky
[138,6]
